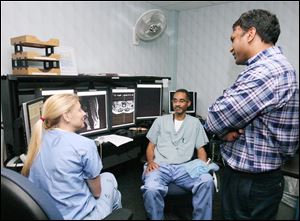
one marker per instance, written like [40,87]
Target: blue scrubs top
[176,147]
[65,161]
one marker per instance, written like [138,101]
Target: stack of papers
[117,140]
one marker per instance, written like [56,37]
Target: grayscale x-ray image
[95,109]
[123,109]
[92,119]
[120,107]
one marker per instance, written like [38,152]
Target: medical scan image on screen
[95,106]
[123,107]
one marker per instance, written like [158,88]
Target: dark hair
[184,91]
[266,24]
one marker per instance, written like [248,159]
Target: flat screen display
[122,107]
[32,112]
[48,93]
[191,108]
[94,103]
[148,101]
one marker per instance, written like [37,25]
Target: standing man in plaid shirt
[258,118]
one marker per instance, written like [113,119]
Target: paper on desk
[117,140]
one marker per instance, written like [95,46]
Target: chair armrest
[120,214]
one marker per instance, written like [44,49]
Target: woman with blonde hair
[67,165]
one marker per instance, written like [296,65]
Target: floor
[129,179]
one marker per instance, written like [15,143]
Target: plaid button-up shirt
[264,101]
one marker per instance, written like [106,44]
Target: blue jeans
[251,196]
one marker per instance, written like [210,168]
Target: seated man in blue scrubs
[173,139]
[67,165]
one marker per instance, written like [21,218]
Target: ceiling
[185,5]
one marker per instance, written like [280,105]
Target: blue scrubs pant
[156,184]
[109,200]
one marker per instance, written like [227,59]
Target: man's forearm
[201,154]
[150,153]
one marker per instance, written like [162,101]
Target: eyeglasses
[181,101]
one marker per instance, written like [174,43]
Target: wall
[101,34]
[204,42]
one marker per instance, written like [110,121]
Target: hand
[233,135]
[151,166]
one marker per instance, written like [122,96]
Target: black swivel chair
[178,201]
[21,200]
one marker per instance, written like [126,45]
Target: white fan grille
[150,25]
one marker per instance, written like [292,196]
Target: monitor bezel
[102,92]
[26,116]
[153,86]
[122,90]
[193,111]
[47,93]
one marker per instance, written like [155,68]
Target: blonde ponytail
[53,109]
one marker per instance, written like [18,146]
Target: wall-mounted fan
[149,26]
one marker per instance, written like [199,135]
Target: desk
[112,155]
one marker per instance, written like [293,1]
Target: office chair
[21,199]
[178,201]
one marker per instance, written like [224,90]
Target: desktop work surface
[112,155]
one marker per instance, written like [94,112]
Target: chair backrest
[21,199]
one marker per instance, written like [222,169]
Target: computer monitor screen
[122,107]
[94,103]
[48,93]
[191,109]
[148,101]
[32,112]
